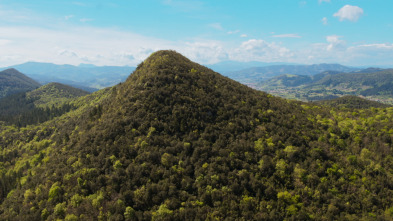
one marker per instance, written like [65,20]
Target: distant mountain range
[225,67]
[250,76]
[373,83]
[86,77]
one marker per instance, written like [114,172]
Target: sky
[125,32]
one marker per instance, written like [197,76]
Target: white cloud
[350,13]
[287,36]
[243,35]
[324,21]
[335,43]
[260,50]
[206,52]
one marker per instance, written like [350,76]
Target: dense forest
[177,141]
[39,105]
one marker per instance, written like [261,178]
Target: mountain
[12,81]
[39,105]
[178,141]
[85,77]
[251,76]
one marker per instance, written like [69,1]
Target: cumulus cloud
[260,50]
[350,13]
[206,52]
[335,43]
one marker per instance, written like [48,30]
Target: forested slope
[39,105]
[178,141]
[12,82]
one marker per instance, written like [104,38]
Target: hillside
[54,94]
[177,141]
[39,105]
[352,102]
[85,77]
[12,81]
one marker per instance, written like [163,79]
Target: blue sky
[125,32]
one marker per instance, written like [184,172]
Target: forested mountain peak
[15,74]
[12,81]
[167,63]
[11,71]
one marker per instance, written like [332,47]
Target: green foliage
[163,213]
[71,217]
[59,210]
[130,213]
[54,192]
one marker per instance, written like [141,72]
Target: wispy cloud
[85,19]
[243,35]
[216,26]
[185,6]
[74,45]
[350,13]
[20,16]
[233,32]
[324,21]
[79,3]
[67,17]
[320,1]
[287,36]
